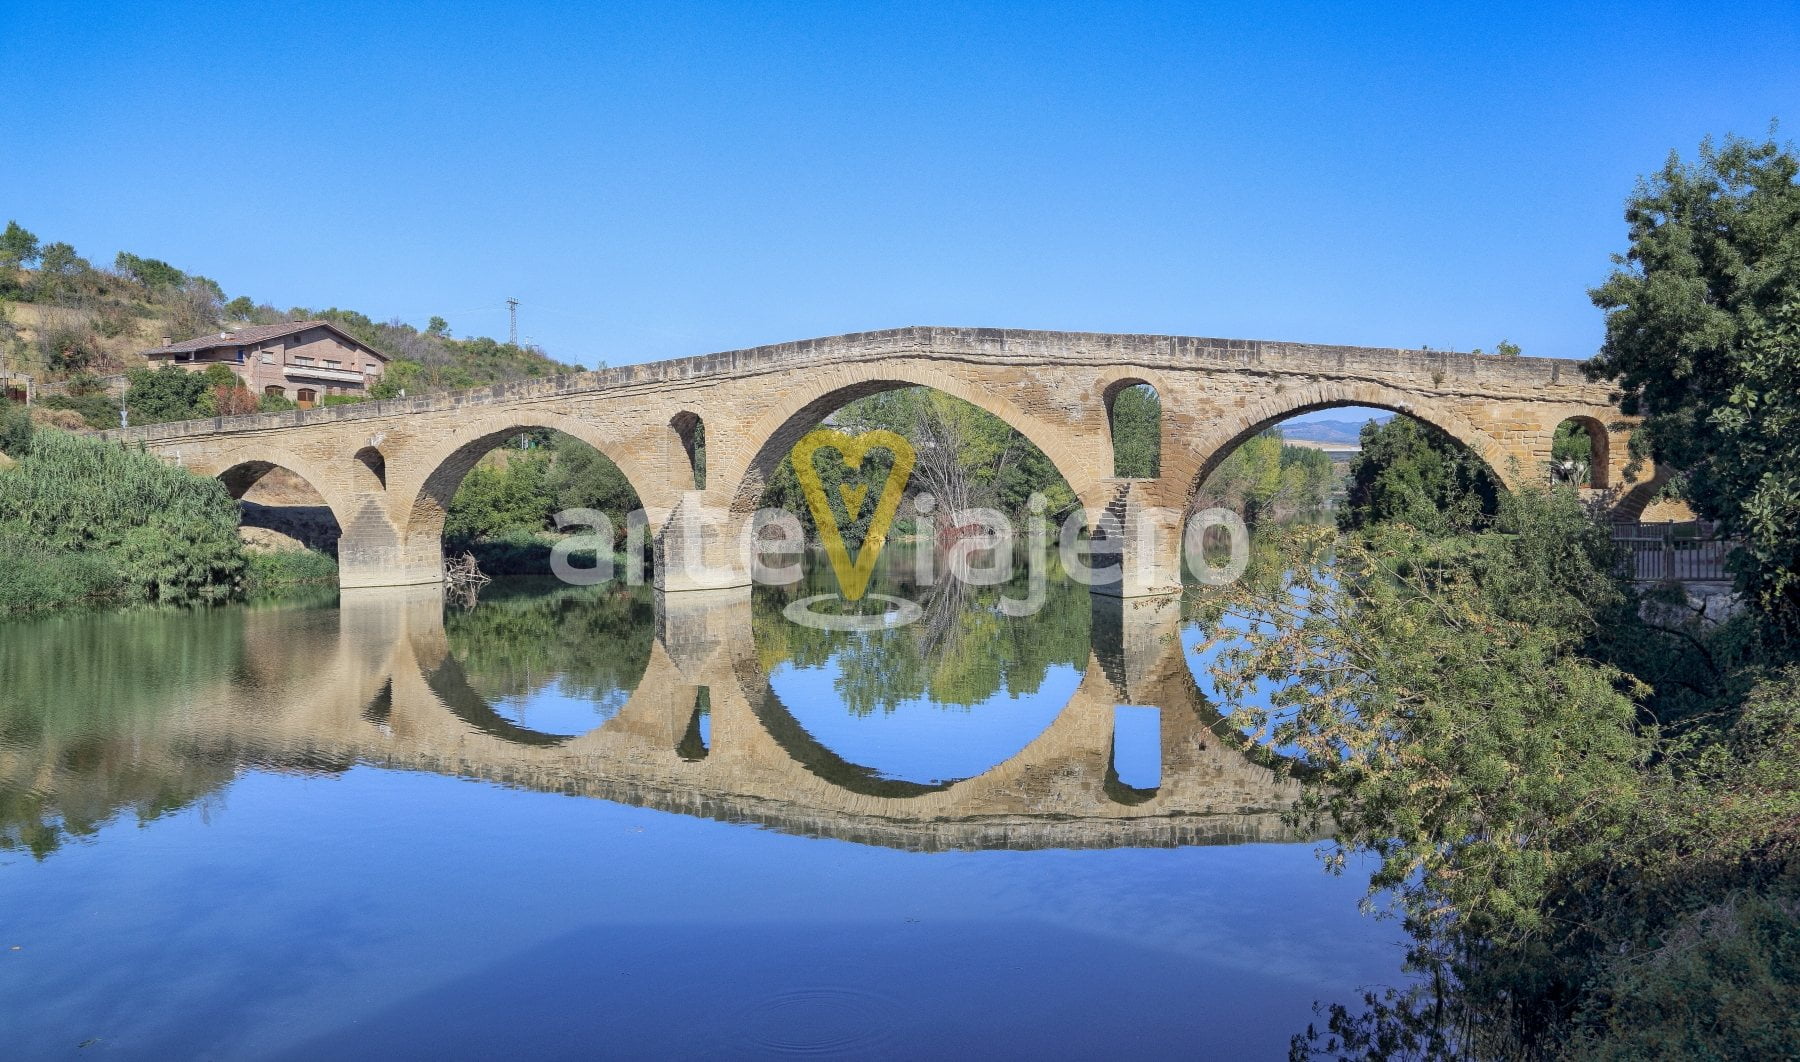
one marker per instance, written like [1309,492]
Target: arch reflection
[385,679]
[917,707]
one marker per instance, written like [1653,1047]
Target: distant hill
[1317,428]
[64,319]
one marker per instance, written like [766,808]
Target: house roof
[249,337]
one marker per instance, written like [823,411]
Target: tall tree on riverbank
[1703,337]
[1410,472]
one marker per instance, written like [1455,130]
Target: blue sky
[659,180]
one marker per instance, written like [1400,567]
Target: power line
[512,321]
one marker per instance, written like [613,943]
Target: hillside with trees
[69,323]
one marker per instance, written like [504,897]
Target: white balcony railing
[318,372]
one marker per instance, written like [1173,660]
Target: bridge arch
[771,437]
[242,468]
[1255,419]
[422,504]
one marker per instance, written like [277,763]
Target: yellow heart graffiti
[853,576]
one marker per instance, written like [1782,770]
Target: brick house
[303,361]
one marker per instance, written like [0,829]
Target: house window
[275,392]
[306,396]
[302,361]
[268,357]
[329,364]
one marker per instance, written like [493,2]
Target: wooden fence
[1690,550]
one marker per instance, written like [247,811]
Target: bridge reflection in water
[704,733]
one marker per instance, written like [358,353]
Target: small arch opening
[1134,770]
[371,458]
[1578,453]
[692,431]
[696,742]
[1134,414]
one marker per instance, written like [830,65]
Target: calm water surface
[582,822]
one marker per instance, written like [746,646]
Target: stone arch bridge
[388,469]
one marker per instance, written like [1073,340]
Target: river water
[584,822]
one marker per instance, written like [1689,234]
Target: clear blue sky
[660,180]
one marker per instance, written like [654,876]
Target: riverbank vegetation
[1583,802]
[71,323]
[85,521]
[1267,479]
[504,511]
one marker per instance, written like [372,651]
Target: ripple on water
[819,1021]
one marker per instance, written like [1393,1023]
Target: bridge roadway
[389,469]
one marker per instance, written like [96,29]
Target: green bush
[169,535]
[15,430]
[173,393]
[40,578]
[288,567]
[1413,473]
[510,553]
[100,411]
[495,502]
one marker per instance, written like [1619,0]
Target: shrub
[492,502]
[67,342]
[234,400]
[168,393]
[15,430]
[38,577]
[96,411]
[288,567]
[171,536]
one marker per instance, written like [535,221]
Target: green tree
[152,273]
[1137,433]
[399,376]
[1572,443]
[60,260]
[437,327]
[18,247]
[581,477]
[1700,337]
[1410,472]
[1438,689]
[495,501]
[168,393]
